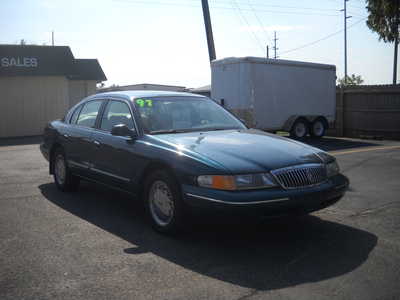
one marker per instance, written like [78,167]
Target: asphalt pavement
[96,243]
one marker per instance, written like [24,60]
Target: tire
[318,128]
[163,202]
[300,129]
[63,178]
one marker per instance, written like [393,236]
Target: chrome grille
[300,176]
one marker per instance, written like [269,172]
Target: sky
[164,41]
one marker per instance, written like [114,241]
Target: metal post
[275,39]
[396,44]
[52,38]
[209,33]
[267,51]
[345,42]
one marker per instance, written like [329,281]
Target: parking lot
[96,244]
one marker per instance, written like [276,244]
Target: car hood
[244,151]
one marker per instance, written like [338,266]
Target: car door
[115,157]
[80,147]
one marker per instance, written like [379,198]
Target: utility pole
[345,40]
[52,38]
[275,48]
[209,33]
[396,44]
[267,51]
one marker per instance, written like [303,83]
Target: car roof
[144,94]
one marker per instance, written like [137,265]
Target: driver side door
[114,158]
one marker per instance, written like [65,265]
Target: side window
[75,115]
[116,112]
[89,113]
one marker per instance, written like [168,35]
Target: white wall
[79,89]
[28,103]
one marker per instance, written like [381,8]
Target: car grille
[300,176]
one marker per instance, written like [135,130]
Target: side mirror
[123,130]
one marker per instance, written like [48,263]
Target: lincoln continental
[184,154]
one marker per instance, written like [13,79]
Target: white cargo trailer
[274,94]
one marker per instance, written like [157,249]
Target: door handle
[97,143]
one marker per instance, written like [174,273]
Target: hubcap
[60,170]
[300,129]
[161,203]
[318,128]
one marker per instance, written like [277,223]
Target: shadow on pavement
[266,256]
[333,144]
[21,141]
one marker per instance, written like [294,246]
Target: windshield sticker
[144,102]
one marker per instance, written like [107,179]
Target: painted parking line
[364,150]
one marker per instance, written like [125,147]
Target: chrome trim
[238,203]
[73,163]
[110,174]
[341,186]
[294,177]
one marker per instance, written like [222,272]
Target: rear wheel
[318,128]
[63,178]
[163,202]
[299,129]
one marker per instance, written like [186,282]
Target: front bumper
[266,202]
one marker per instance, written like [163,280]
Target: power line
[224,7]
[280,6]
[259,21]
[321,39]
[351,5]
[244,18]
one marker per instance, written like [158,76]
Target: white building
[39,84]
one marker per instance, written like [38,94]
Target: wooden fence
[371,111]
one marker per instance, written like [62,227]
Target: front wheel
[63,178]
[163,202]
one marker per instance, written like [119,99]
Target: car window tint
[75,115]
[184,113]
[116,112]
[89,113]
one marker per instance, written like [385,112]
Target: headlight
[332,169]
[236,182]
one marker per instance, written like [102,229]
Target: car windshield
[184,114]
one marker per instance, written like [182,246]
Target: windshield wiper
[166,131]
[219,128]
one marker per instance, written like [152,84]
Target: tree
[384,19]
[351,80]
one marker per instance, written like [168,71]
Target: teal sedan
[184,154]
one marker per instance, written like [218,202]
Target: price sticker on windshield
[144,102]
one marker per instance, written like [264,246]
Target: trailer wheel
[318,128]
[299,129]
